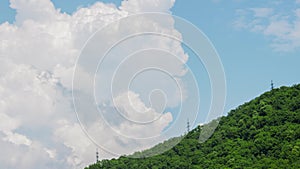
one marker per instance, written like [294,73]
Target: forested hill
[263,133]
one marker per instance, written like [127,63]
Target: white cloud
[278,29]
[136,6]
[38,128]
[33,10]
[74,138]
[281,27]
[7,123]
[262,12]
[52,153]
[131,107]
[17,139]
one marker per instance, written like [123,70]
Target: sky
[49,111]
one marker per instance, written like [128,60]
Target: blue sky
[257,42]
[249,61]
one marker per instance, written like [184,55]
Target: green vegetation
[159,148]
[263,133]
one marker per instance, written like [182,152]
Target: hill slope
[263,133]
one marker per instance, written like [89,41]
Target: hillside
[263,133]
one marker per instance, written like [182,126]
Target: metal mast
[188,125]
[97,155]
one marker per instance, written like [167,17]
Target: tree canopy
[262,133]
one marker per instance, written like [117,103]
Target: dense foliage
[263,133]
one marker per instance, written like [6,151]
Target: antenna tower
[188,125]
[97,155]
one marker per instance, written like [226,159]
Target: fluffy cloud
[38,126]
[131,107]
[136,6]
[33,10]
[113,134]
[280,26]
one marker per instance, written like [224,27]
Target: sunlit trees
[263,133]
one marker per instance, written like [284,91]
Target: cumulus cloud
[7,123]
[115,135]
[38,126]
[281,27]
[131,106]
[136,6]
[17,139]
[33,10]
